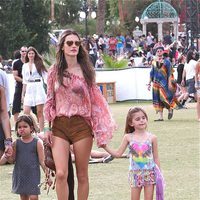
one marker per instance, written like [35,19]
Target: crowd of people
[73,112]
[129,47]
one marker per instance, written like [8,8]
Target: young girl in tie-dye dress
[144,160]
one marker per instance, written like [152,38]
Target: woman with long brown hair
[76,111]
[34,75]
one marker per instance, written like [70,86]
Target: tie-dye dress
[142,165]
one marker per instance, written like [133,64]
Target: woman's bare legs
[40,116]
[27,110]
[60,149]
[82,150]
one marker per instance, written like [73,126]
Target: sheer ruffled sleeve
[50,105]
[102,122]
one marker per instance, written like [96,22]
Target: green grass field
[179,151]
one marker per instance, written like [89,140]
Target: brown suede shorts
[71,129]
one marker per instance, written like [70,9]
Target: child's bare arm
[118,153]
[155,150]
[40,150]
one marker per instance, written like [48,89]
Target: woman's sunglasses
[70,43]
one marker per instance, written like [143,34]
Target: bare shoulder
[153,137]
[39,142]
[127,137]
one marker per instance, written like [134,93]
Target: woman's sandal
[170,114]
[158,120]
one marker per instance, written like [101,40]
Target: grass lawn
[179,151]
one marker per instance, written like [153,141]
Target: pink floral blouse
[76,98]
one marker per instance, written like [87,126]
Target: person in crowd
[163,90]
[99,62]
[120,44]
[4,82]
[143,154]
[34,76]
[16,55]
[106,41]
[197,86]
[167,39]
[5,129]
[112,45]
[188,76]
[17,73]
[27,156]
[131,62]
[76,112]
[8,66]
[182,98]
[173,53]
[149,56]
[150,40]
[128,45]
[101,43]
[90,46]
[158,44]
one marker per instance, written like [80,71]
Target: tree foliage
[12,28]
[67,12]
[36,18]
[23,22]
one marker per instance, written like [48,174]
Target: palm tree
[101,10]
[52,11]
[121,13]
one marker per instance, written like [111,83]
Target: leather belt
[36,80]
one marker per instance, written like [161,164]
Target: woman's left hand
[8,151]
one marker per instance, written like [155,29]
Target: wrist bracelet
[8,142]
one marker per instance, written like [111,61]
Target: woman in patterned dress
[76,112]
[164,88]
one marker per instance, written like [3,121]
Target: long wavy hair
[190,56]
[37,60]
[131,112]
[82,58]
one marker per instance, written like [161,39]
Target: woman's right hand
[48,137]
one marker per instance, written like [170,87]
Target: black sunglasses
[70,43]
[23,51]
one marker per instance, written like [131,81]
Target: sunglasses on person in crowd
[70,43]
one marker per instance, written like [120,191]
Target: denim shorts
[71,129]
[190,83]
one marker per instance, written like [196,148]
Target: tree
[14,33]
[101,10]
[36,14]
[67,12]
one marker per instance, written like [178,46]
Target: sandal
[108,159]
[158,120]
[170,114]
